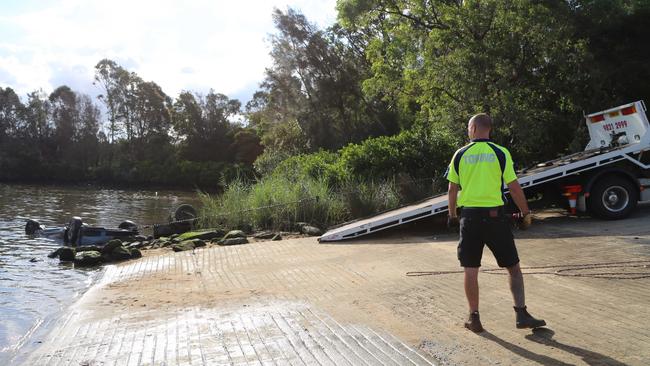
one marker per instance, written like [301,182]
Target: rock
[173,228]
[298,226]
[233,241]
[183,246]
[311,230]
[203,235]
[54,254]
[276,237]
[88,248]
[173,236]
[264,235]
[247,228]
[198,243]
[140,238]
[34,260]
[234,234]
[88,258]
[67,254]
[120,253]
[175,240]
[112,244]
[136,245]
[150,238]
[136,253]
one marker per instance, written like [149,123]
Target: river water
[34,289]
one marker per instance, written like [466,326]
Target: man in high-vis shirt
[477,174]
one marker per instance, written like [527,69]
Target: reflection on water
[35,289]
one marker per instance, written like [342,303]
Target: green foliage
[445,61]
[418,153]
[190,143]
[358,180]
[322,165]
[311,97]
[367,198]
[274,202]
[616,33]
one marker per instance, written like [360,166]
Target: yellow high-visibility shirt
[481,169]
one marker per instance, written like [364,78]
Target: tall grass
[274,202]
[277,202]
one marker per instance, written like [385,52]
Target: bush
[322,165]
[418,153]
[367,198]
[326,188]
[274,202]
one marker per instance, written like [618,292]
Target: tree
[111,78]
[151,113]
[64,115]
[446,60]
[11,114]
[203,124]
[36,117]
[86,137]
[315,81]
[616,34]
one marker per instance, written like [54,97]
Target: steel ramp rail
[398,216]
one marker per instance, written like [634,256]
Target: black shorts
[478,228]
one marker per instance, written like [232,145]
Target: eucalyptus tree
[11,114]
[111,77]
[203,125]
[37,110]
[151,112]
[314,88]
[64,115]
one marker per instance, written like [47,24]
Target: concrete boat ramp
[297,302]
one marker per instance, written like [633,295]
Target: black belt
[482,211]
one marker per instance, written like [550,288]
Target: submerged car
[77,233]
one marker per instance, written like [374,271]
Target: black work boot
[525,320]
[473,323]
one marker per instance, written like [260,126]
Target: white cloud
[181,45]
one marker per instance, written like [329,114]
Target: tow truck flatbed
[593,158]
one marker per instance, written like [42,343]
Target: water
[34,289]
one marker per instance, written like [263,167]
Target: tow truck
[607,180]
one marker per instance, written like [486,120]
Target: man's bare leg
[517,285]
[473,322]
[471,288]
[524,319]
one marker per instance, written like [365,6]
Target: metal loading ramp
[398,216]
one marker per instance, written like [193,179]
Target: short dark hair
[482,121]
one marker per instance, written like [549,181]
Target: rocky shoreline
[117,250]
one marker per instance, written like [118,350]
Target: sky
[194,45]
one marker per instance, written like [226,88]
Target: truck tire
[613,198]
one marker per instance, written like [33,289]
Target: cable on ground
[566,270]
